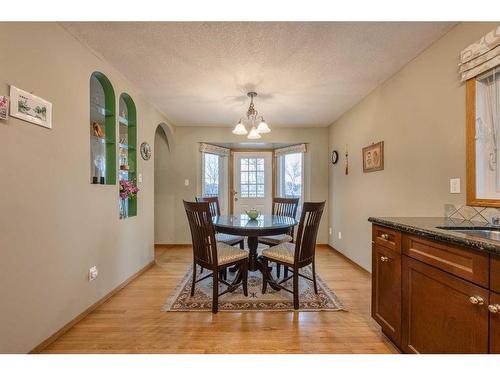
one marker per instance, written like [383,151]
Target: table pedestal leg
[253,262]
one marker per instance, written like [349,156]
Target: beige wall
[54,224]
[171,225]
[420,115]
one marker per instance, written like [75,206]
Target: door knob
[476,300]
[494,309]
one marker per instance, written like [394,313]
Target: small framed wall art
[4,107]
[373,157]
[31,108]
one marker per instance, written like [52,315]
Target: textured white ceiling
[306,73]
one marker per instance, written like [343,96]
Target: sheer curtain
[488,133]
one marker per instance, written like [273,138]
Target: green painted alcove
[103,140]
[127,120]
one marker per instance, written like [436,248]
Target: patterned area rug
[272,300]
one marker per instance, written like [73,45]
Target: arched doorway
[163,186]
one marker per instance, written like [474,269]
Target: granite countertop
[428,227]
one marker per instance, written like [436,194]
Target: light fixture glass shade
[240,129]
[254,134]
[263,128]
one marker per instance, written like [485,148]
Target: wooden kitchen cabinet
[386,291]
[439,315]
[494,308]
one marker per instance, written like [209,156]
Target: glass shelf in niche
[123,120]
[101,110]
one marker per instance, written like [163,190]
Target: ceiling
[305,73]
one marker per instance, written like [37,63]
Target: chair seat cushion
[228,238]
[275,240]
[284,252]
[228,254]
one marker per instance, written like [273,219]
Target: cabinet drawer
[386,237]
[439,315]
[495,273]
[464,263]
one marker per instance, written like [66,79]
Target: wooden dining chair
[282,207]
[296,255]
[213,255]
[228,239]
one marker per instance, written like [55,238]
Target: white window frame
[280,183]
[256,171]
[223,179]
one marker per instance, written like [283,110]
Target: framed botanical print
[31,108]
[373,157]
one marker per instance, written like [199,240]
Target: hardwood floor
[131,321]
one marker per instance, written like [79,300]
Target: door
[386,291]
[441,312]
[494,323]
[252,181]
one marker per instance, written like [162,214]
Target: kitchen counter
[427,227]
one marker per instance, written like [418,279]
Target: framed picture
[373,157]
[4,107]
[31,108]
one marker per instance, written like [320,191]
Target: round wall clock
[145,150]
[335,157]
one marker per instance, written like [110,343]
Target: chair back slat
[213,203]
[202,232]
[285,206]
[308,231]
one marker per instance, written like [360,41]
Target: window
[290,177]
[211,175]
[252,178]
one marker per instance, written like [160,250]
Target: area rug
[272,300]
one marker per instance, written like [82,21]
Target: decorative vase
[123,208]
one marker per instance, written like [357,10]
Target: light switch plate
[454,185]
[186,182]
[139,178]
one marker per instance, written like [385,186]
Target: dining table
[263,225]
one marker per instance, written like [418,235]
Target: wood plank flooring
[131,321]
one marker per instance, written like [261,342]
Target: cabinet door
[386,291]
[439,315]
[495,323]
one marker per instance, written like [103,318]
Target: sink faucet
[495,220]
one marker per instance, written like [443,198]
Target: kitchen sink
[487,233]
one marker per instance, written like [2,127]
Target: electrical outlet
[330,231]
[139,178]
[340,235]
[93,272]
[454,185]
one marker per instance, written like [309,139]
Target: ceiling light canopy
[251,119]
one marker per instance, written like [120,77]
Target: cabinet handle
[384,236]
[494,309]
[384,259]
[476,300]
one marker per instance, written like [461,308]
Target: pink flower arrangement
[128,189]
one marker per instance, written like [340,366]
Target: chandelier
[252,119]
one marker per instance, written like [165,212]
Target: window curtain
[216,150]
[487,129]
[301,148]
[480,56]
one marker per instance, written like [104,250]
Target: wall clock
[335,157]
[145,150]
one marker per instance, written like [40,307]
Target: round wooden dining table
[264,225]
